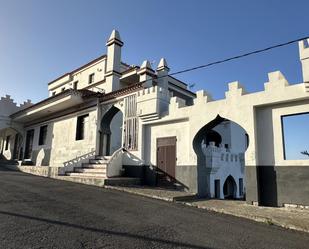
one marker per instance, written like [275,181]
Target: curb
[254,218]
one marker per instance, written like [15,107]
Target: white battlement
[221,157]
[235,90]
[176,103]
[275,80]
[8,106]
[152,102]
[202,97]
[153,92]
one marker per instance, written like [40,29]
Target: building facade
[108,119]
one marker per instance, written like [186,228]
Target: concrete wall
[65,146]
[62,148]
[259,114]
[185,171]
[36,170]
[280,181]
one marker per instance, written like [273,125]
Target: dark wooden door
[29,143]
[166,155]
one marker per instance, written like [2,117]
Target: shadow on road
[116,233]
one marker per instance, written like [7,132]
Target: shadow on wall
[135,167]
[40,147]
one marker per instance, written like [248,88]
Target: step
[98,161]
[94,166]
[84,180]
[90,170]
[85,175]
[102,157]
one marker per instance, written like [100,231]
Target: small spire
[114,38]
[146,64]
[162,65]
[115,35]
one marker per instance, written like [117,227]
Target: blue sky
[296,136]
[41,40]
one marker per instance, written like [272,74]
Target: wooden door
[166,155]
[29,143]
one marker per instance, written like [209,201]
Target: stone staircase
[94,172]
[95,168]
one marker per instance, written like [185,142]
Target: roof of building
[84,66]
[84,93]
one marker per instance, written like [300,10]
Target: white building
[107,119]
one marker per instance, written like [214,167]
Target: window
[7,142]
[80,127]
[62,89]
[75,85]
[130,123]
[91,78]
[295,136]
[43,135]
[53,93]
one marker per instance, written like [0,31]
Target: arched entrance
[229,188]
[111,132]
[220,146]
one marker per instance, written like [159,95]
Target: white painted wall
[65,146]
[222,163]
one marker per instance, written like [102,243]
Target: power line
[234,57]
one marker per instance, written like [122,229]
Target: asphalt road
[37,212]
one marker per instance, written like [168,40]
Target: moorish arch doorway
[229,188]
[220,147]
[111,131]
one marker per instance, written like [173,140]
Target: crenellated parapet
[26,104]
[8,106]
[235,90]
[276,81]
[221,157]
[152,102]
[202,97]
[176,103]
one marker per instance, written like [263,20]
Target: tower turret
[113,63]
[162,72]
[146,74]
[304,58]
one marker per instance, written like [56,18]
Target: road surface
[37,212]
